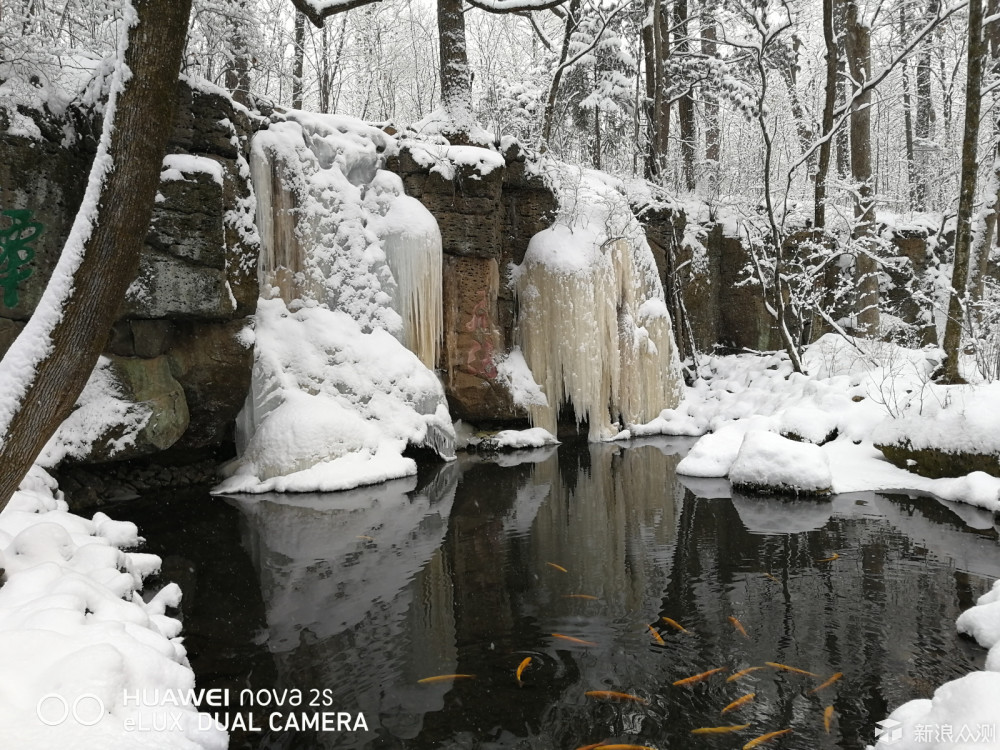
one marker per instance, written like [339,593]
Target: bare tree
[45,369]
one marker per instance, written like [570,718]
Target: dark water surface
[361,594]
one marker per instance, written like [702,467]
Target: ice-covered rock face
[350,267]
[593,324]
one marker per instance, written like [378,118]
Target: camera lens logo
[889,731]
[52,710]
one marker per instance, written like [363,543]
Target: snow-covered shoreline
[78,640]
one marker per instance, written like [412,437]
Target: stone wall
[177,345]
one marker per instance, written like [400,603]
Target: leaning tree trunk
[859,57]
[299,60]
[685,106]
[966,192]
[45,369]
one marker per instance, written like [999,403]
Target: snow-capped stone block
[770,463]
[713,454]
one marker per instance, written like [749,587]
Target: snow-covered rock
[768,462]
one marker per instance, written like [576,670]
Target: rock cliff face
[177,347]
[486,217]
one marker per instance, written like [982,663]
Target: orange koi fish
[830,559]
[571,639]
[613,695]
[739,626]
[768,575]
[366,537]
[588,597]
[827,684]
[699,677]
[742,700]
[521,667]
[790,669]
[827,718]
[674,624]
[657,636]
[742,673]
[444,677]
[720,730]
[624,747]
[560,568]
[590,747]
[765,738]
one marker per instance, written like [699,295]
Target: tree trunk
[685,105]
[649,65]
[572,19]
[912,175]
[966,193]
[45,369]
[659,123]
[300,53]
[456,83]
[237,71]
[713,147]
[858,47]
[829,104]
[923,125]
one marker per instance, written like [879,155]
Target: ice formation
[349,268]
[592,323]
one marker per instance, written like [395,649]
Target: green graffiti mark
[16,252]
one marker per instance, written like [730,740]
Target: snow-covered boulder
[768,462]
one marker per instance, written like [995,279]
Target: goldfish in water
[765,738]
[742,673]
[657,636]
[833,557]
[560,568]
[827,718]
[742,700]
[366,537]
[443,677]
[829,682]
[613,695]
[699,677]
[768,575]
[521,667]
[674,624]
[580,596]
[624,747]
[787,668]
[720,730]
[739,626]
[571,639]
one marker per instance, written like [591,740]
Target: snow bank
[592,322]
[536,437]
[74,628]
[332,407]
[769,462]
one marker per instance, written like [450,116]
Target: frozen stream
[366,592]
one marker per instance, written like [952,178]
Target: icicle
[595,330]
[412,244]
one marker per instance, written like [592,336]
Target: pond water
[472,567]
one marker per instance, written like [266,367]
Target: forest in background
[823,128]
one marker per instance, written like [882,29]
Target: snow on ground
[863,390]
[80,639]
[768,460]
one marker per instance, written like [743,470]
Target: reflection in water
[369,591]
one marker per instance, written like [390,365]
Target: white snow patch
[768,460]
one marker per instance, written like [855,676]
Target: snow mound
[713,454]
[768,462]
[982,622]
[536,437]
[73,627]
[966,707]
[332,407]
